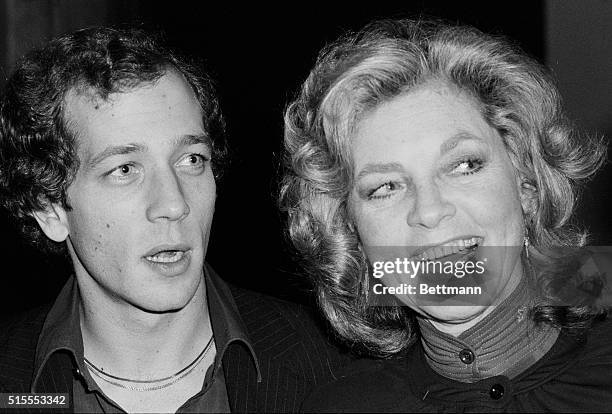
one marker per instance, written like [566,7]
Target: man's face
[143,197]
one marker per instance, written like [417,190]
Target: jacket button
[496,391]
[466,356]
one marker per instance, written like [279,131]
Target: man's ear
[529,198]
[53,221]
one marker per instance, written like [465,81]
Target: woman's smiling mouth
[448,248]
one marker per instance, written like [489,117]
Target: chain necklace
[167,381]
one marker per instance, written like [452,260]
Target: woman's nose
[430,207]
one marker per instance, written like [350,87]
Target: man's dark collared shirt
[62,333]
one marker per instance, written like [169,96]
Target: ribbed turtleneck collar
[506,342]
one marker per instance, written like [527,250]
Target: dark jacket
[574,376]
[293,356]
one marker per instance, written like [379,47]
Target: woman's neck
[457,327]
[503,342]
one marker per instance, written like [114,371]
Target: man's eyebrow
[93,161]
[191,139]
[380,168]
[194,139]
[453,141]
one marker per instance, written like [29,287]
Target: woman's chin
[454,315]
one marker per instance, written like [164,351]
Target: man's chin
[160,309]
[168,297]
[162,305]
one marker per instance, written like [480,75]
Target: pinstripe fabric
[18,339]
[293,355]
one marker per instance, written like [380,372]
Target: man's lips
[167,253]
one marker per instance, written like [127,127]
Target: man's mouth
[461,246]
[167,253]
[167,256]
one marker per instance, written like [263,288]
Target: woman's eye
[383,191]
[469,166]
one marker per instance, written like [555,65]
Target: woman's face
[433,179]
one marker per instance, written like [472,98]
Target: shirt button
[466,356]
[496,391]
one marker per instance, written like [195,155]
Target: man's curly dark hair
[37,148]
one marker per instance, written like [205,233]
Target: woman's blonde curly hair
[354,75]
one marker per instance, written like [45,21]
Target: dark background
[259,55]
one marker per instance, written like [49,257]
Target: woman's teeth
[449,248]
[167,256]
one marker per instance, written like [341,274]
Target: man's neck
[131,343]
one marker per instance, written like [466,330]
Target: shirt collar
[228,327]
[506,342]
[62,329]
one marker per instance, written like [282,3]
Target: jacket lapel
[57,377]
[240,378]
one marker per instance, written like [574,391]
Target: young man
[110,146]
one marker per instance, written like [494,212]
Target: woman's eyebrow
[453,141]
[380,168]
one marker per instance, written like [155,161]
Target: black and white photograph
[301,207]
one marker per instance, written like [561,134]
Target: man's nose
[167,200]
[430,206]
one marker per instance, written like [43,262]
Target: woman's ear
[53,221]
[529,198]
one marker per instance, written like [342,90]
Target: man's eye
[383,191]
[194,161]
[123,171]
